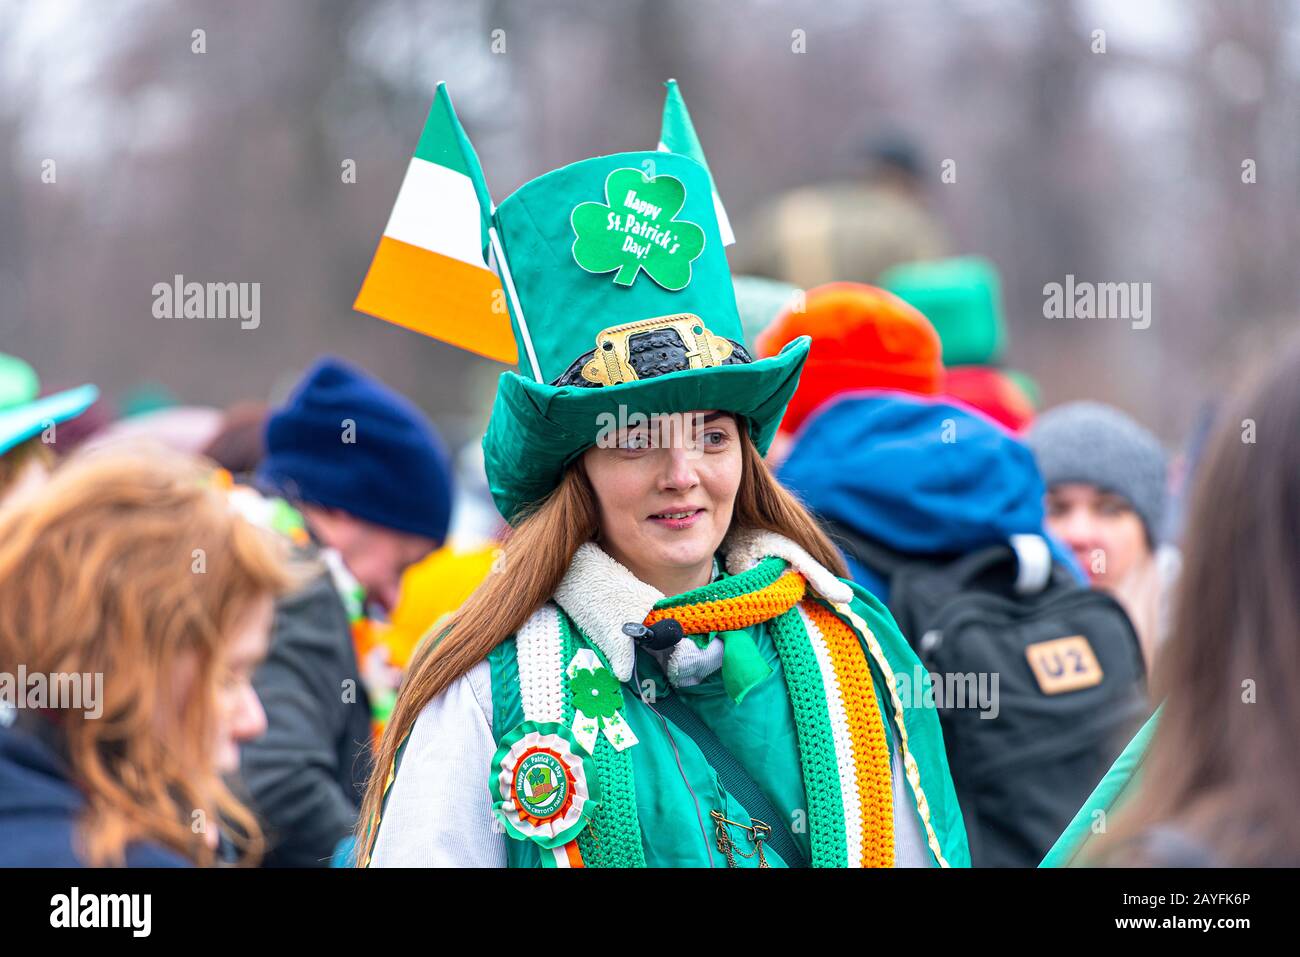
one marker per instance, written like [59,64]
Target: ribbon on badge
[597,697]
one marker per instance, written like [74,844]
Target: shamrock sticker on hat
[635,229]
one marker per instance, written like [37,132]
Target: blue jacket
[39,808]
[920,476]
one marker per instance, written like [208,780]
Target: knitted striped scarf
[843,749]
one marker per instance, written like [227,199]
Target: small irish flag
[677,135]
[430,272]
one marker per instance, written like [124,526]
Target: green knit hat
[962,298]
[621,303]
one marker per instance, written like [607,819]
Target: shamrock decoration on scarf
[634,229]
[596,692]
[597,697]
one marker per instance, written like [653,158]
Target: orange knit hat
[862,338]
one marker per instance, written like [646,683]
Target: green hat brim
[538,429]
[22,422]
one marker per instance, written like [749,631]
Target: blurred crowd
[252,583]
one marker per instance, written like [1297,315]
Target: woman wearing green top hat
[667,667]
[29,424]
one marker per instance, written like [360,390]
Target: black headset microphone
[660,636]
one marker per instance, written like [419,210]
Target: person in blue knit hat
[357,476]
[366,469]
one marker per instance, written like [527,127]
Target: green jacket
[674,788]
[477,782]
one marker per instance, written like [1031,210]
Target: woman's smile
[675,519]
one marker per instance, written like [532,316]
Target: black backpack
[1070,692]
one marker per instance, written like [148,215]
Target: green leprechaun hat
[619,298]
[24,413]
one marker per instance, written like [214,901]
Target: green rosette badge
[635,230]
[543,784]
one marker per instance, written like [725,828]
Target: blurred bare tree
[226,165]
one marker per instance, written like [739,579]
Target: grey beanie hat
[1096,444]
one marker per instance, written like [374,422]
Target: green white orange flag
[678,136]
[430,272]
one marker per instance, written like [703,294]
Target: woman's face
[240,717]
[666,493]
[1100,527]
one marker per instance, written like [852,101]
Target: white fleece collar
[746,547]
[601,595]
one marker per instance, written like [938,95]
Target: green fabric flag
[677,135]
[1107,796]
[444,143]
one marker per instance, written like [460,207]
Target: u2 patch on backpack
[1064,664]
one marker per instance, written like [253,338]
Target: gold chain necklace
[757,831]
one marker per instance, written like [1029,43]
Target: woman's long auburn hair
[1223,766]
[101,572]
[533,560]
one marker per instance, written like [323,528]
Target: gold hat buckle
[611,364]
